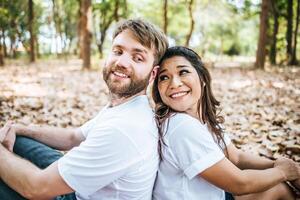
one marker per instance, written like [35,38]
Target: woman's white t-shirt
[190,149]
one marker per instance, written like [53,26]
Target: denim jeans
[39,154]
[228,196]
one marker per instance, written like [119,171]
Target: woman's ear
[153,74]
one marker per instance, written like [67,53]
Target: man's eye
[138,59]
[117,52]
[163,77]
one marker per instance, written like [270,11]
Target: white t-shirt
[190,149]
[119,158]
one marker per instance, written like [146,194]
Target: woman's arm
[244,160]
[227,176]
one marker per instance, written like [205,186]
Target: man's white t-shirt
[119,158]
[190,149]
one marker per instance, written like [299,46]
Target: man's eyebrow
[140,50]
[117,46]
[137,50]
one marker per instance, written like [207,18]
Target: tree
[3,25]
[31,31]
[65,15]
[273,48]
[1,53]
[289,30]
[261,46]
[105,13]
[293,60]
[165,20]
[86,17]
[192,22]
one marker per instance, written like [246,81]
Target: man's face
[129,66]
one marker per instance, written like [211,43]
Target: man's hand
[4,130]
[9,140]
[8,136]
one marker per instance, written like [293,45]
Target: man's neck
[116,100]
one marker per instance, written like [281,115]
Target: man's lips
[120,74]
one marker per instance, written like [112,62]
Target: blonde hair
[147,34]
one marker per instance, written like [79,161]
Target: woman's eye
[182,72]
[163,77]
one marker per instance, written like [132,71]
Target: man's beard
[135,85]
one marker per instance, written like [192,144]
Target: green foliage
[221,26]
[105,13]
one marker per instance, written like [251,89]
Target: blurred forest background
[218,29]
[51,52]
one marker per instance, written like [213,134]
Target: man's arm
[58,138]
[30,181]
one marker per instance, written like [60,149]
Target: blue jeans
[39,154]
[228,196]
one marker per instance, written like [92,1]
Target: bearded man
[112,156]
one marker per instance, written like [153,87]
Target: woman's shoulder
[182,117]
[182,122]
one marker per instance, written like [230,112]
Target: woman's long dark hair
[207,101]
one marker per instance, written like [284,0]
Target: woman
[199,161]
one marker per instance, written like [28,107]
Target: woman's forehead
[174,63]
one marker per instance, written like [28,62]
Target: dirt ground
[261,108]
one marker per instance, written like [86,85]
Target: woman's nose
[176,82]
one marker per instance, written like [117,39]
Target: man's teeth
[179,94]
[120,74]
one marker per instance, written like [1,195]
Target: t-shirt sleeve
[103,157]
[194,148]
[86,127]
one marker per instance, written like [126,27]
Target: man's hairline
[152,46]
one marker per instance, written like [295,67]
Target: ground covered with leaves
[261,108]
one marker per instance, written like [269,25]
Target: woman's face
[179,85]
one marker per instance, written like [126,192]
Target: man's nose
[123,61]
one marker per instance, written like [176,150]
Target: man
[114,155]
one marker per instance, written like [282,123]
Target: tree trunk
[273,50]
[79,35]
[4,45]
[192,23]
[100,44]
[86,17]
[294,55]
[37,49]
[165,11]
[289,30]
[1,52]
[261,46]
[30,23]
[125,8]
[12,50]
[116,11]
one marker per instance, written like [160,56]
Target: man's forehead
[127,39]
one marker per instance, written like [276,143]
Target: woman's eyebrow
[182,66]
[162,71]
